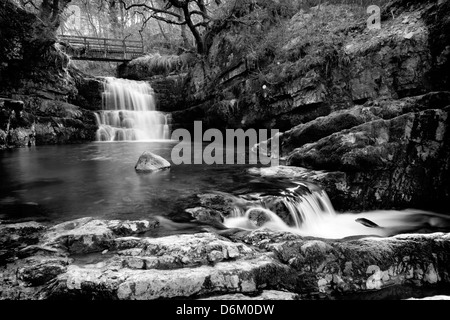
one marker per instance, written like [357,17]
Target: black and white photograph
[222,158]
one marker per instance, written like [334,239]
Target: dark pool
[98,179]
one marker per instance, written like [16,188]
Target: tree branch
[178,23]
[143,5]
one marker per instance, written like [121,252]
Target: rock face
[43,121]
[406,160]
[98,259]
[150,162]
[38,75]
[169,92]
[386,109]
[90,91]
[14,129]
[304,78]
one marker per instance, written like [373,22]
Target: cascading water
[302,206]
[305,209]
[129,113]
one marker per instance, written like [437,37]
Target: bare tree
[190,13]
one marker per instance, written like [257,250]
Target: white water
[129,113]
[307,210]
[314,216]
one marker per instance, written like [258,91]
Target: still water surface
[99,179]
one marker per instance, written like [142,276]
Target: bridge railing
[92,48]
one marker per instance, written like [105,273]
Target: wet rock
[88,235]
[149,162]
[205,215]
[169,92]
[14,237]
[21,137]
[282,172]
[187,250]
[277,204]
[220,202]
[258,217]
[323,127]
[240,276]
[60,122]
[44,121]
[67,263]
[265,295]
[374,145]
[127,228]
[90,92]
[368,263]
[87,259]
[405,159]
[3,136]
[23,233]
[80,236]
[337,121]
[265,239]
[430,274]
[37,272]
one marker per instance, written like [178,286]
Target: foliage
[309,40]
[253,28]
[287,39]
[96,68]
[157,64]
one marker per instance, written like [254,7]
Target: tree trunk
[186,42]
[113,19]
[45,31]
[198,38]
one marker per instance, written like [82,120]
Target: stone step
[243,276]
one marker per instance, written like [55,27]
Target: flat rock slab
[88,235]
[265,295]
[175,252]
[127,284]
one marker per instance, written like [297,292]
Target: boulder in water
[224,203]
[206,215]
[367,223]
[150,162]
[258,216]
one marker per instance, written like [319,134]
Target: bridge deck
[102,49]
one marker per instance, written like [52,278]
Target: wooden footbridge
[101,49]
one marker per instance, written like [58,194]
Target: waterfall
[129,113]
[303,206]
